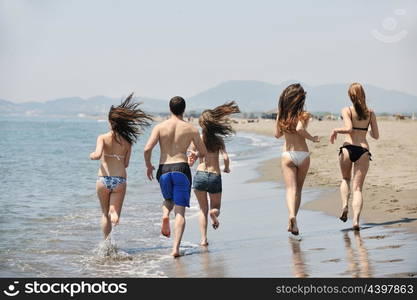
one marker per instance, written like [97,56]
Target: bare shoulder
[192,128]
[104,136]
[159,126]
[372,114]
[346,109]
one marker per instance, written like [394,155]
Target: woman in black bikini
[355,150]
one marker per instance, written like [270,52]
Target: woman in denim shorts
[207,181]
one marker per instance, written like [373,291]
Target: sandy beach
[252,240]
[390,191]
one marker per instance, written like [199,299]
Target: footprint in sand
[376,237]
[333,260]
[389,260]
[392,210]
[389,247]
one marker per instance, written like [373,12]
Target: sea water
[50,214]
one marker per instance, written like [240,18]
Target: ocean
[50,214]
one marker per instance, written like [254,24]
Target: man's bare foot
[114,218]
[356,227]
[292,227]
[165,230]
[204,243]
[214,220]
[343,216]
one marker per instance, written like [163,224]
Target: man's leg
[181,190]
[179,229]
[165,183]
[166,209]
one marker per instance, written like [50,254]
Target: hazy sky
[56,48]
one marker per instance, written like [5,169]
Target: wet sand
[390,191]
[252,240]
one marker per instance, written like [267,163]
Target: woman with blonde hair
[291,122]
[354,154]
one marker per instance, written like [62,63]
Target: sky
[54,48]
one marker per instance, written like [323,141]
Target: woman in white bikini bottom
[297,157]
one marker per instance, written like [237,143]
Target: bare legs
[179,224]
[179,229]
[346,168]
[215,201]
[111,203]
[360,170]
[166,209]
[202,217]
[294,179]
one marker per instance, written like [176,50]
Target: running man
[174,176]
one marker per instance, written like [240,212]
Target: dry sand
[390,191]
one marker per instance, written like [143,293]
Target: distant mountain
[256,96]
[252,96]
[6,107]
[95,106]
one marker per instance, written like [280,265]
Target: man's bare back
[174,175]
[174,137]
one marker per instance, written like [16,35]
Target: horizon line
[214,86]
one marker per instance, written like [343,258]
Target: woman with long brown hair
[291,122]
[355,150]
[113,148]
[215,126]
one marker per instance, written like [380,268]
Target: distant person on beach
[355,150]
[113,149]
[174,175]
[291,122]
[215,126]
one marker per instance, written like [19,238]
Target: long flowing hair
[357,95]
[128,121]
[217,125]
[291,108]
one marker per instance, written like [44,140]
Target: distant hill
[95,106]
[256,96]
[252,96]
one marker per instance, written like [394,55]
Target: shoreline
[390,198]
[263,248]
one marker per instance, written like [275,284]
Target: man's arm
[192,157]
[152,141]
[199,145]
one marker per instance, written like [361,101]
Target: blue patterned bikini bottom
[111,182]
